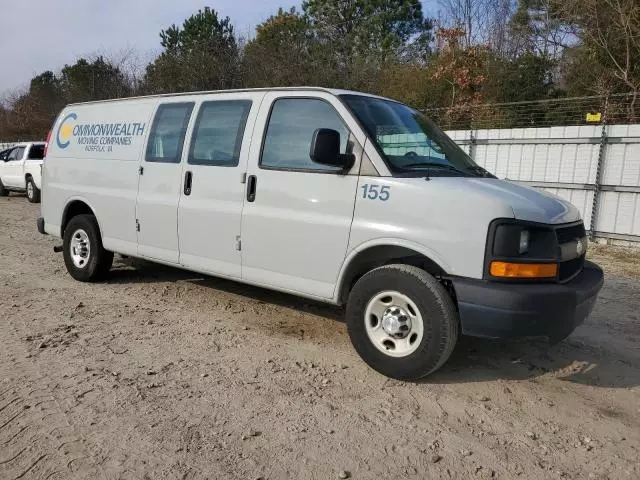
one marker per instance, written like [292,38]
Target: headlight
[524,241]
[521,250]
[514,241]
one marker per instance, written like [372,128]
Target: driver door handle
[252,183]
[188,177]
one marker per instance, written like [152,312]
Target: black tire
[98,261]
[437,309]
[34,196]
[3,191]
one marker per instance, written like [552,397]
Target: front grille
[571,233]
[567,238]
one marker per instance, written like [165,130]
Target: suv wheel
[402,321]
[33,193]
[84,256]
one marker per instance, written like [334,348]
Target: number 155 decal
[376,192]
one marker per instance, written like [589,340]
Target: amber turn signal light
[523,270]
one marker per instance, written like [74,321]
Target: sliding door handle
[188,178]
[252,182]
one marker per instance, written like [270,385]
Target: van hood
[527,203]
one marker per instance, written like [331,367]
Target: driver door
[14,169]
[297,214]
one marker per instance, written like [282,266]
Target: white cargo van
[333,195]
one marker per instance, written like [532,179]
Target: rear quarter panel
[34,169]
[93,156]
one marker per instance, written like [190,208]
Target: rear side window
[217,136]
[36,152]
[167,133]
[290,130]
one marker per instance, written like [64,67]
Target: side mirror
[325,149]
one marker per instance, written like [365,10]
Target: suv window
[217,136]
[16,154]
[4,155]
[167,133]
[290,130]
[36,152]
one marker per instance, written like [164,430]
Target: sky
[40,35]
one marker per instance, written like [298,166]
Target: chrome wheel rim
[30,189]
[80,248]
[394,323]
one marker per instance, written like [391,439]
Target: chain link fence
[620,109]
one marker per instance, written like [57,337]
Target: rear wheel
[84,256]
[402,321]
[3,191]
[33,193]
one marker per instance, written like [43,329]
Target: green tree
[526,77]
[203,54]
[366,35]
[6,124]
[286,52]
[35,110]
[93,80]
[414,85]
[370,27]
[607,56]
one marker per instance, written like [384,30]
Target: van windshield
[411,143]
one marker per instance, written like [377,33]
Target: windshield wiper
[482,171]
[430,165]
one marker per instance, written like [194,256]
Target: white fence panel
[619,213]
[564,161]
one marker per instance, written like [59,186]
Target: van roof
[332,91]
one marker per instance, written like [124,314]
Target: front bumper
[509,311]
[40,224]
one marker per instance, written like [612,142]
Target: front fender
[387,241]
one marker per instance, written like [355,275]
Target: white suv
[21,170]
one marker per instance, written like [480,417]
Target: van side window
[217,136]
[290,130]
[167,132]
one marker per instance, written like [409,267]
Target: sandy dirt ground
[163,374]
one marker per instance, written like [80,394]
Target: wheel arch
[75,207]
[384,252]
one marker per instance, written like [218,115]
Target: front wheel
[402,321]
[33,193]
[3,191]
[84,256]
